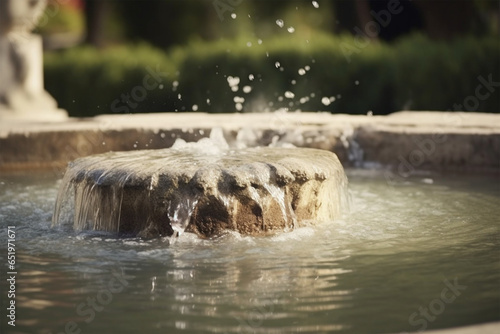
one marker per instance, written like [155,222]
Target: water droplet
[162,135]
[195,107]
[247,89]
[259,41]
[369,113]
[234,88]
[249,44]
[289,95]
[293,82]
[280,23]
[277,64]
[291,30]
[238,106]
[251,77]
[280,98]
[302,71]
[179,96]
[161,86]
[307,67]
[315,4]
[325,100]
[238,99]
[356,82]
[233,15]
[208,101]
[332,98]
[233,81]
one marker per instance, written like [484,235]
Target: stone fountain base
[164,192]
[406,142]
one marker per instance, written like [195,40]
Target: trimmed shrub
[300,75]
[87,82]
[439,76]
[327,73]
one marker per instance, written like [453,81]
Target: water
[398,250]
[203,187]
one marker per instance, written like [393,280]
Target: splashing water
[98,206]
[163,192]
[180,214]
[194,185]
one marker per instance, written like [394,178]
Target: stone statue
[22,95]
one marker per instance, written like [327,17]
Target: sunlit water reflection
[396,252]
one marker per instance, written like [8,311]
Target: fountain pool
[412,255]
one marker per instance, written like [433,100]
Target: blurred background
[341,56]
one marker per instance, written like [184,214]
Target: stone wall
[406,141]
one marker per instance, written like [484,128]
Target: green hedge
[86,81]
[437,76]
[415,73]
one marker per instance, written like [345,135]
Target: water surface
[419,253]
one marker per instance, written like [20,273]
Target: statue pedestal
[22,95]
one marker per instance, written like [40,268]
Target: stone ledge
[404,140]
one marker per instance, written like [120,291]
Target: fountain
[203,187]
[418,250]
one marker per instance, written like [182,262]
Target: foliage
[439,76]
[86,81]
[60,18]
[293,73]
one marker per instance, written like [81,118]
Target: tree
[95,16]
